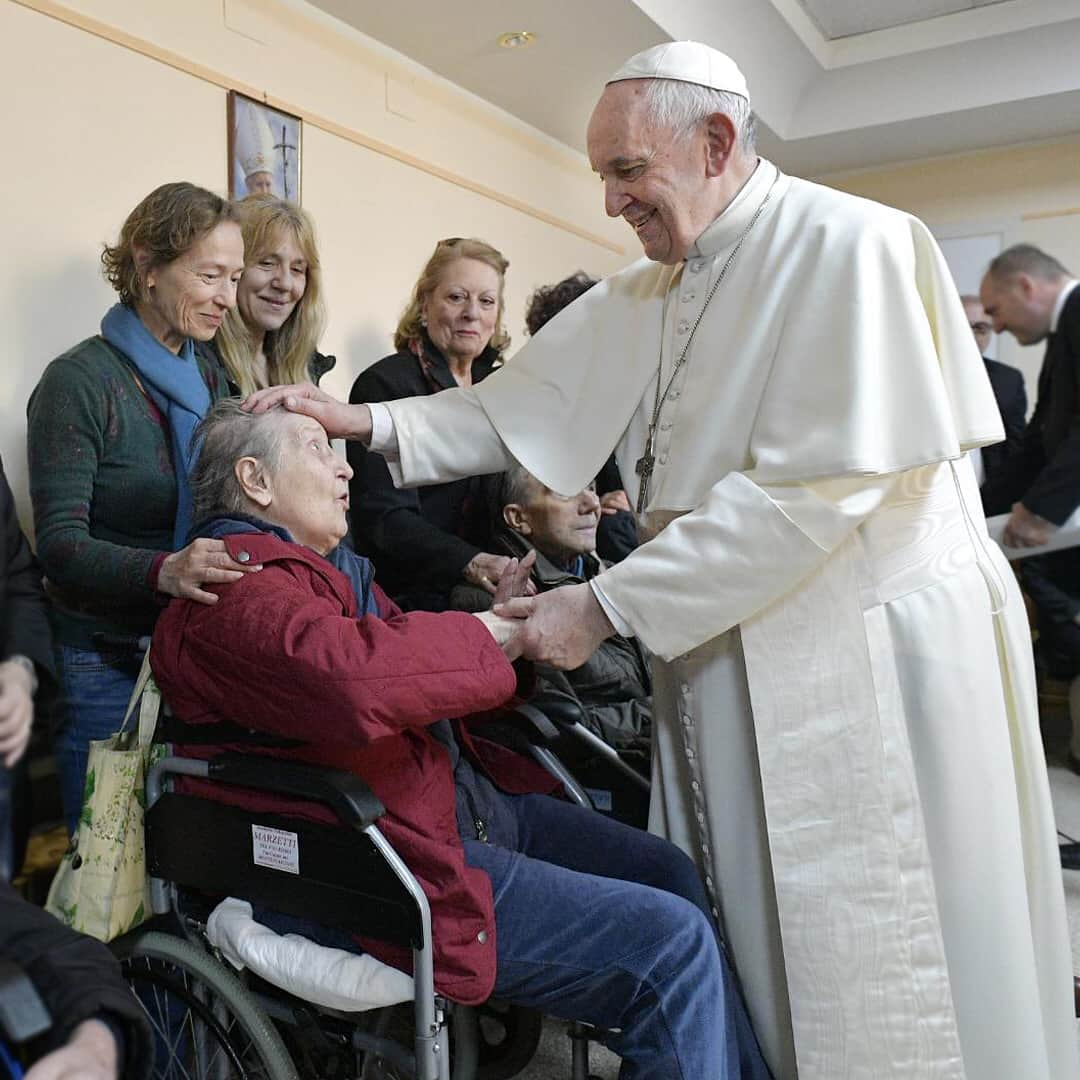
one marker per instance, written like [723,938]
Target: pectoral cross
[644,468]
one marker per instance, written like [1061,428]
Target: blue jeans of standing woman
[600,922]
[95,687]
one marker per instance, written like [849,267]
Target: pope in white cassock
[847,739]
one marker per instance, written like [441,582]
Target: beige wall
[1029,193]
[92,125]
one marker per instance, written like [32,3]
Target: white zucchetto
[686,61]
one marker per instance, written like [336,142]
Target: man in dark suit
[1008,386]
[1030,294]
[25,655]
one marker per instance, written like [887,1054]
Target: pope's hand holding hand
[563,627]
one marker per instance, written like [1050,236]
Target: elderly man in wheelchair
[532,899]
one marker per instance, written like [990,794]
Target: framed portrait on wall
[264,149]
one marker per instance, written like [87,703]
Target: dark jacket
[616,535]
[318,365]
[78,979]
[1009,393]
[1045,474]
[284,652]
[612,687]
[419,540]
[1052,582]
[24,622]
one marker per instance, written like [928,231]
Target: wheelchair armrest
[343,792]
[561,709]
[533,724]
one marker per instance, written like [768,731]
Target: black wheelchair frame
[350,878]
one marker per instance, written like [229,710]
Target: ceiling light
[517,39]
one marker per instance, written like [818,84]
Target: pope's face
[653,179]
[260,183]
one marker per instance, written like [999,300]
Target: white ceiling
[845,18]
[837,84]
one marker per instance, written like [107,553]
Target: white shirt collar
[727,228]
[1059,303]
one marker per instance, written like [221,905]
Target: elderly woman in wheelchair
[307,663]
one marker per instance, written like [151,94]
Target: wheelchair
[212,1021]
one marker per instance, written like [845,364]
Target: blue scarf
[175,385]
[355,567]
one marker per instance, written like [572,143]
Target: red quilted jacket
[283,651]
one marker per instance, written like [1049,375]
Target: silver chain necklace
[647,462]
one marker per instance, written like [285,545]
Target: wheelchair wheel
[508,1038]
[206,1024]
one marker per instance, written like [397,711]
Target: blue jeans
[600,922]
[95,688]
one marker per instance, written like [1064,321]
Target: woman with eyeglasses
[450,334]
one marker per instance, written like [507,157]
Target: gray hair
[1026,259]
[682,107]
[226,434]
[516,485]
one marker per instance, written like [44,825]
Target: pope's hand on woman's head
[202,562]
[340,420]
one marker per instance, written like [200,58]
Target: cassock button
[673,396]
[697,266]
[701,817]
[685,688]
[683,326]
[243,556]
[687,721]
[663,459]
[666,425]
[482,937]
[687,297]
[695,786]
[689,754]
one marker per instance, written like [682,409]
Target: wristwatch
[28,665]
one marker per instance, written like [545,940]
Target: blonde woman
[272,335]
[450,334]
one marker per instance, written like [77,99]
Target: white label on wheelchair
[275,848]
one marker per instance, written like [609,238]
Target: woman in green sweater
[109,435]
